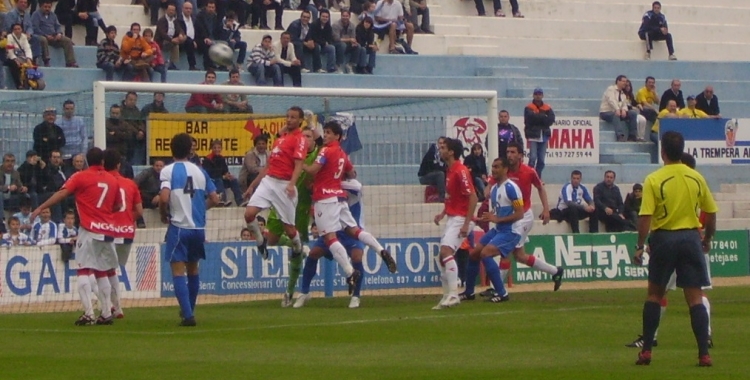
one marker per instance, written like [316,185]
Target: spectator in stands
[24,216]
[149,184]
[216,166]
[614,110]
[288,61]
[673,93]
[11,187]
[84,12]
[246,235]
[120,133]
[76,140]
[48,136]
[389,19]
[194,157]
[18,55]
[108,54]
[348,51]
[188,22]
[132,115]
[14,237]
[156,106]
[648,99]
[692,112]
[365,35]
[54,178]
[236,103]
[205,103]
[230,33]
[506,133]
[320,41]
[158,65]
[136,54]
[44,232]
[264,64]
[67,235]
[670,112]
[609,206]
[21,16]
[654,28]
[415,9]
[298,31]
[255,160]
[259,14]
[207,29]
[33,176]
[49,32]
[633,203]
[538,117]
[708,102]
[153,9]
[170,35]
[575,204]
[432,169]
[634,106]
[476,162]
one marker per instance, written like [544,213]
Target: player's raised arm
[53,200]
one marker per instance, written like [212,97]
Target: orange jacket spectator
[134,47]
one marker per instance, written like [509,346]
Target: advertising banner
[713,141]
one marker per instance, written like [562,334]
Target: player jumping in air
[97,197]
[331,209]
[460,202]
[186,193]
[507,205]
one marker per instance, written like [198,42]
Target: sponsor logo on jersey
[111,228]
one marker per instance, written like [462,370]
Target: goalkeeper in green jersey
[275,227]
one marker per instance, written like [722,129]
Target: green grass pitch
[545,335]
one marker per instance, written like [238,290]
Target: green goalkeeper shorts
[302,222]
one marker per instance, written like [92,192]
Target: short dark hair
[114,106]
[655,3]
[673,144]
[111,28]
[213,142]
[324,10]
[262,219]
[45,2]
[181,145]
[287,33]
[576,172]
[504,111]
[209,71]
[261,137]
[135,24]
[111,159]
[65,103]
[334,127]
[147,31]
[455,146]
[517,145]
[620,77]
[299,110]
[611,171]
[503,161]
[306,11]
[95,156]
[69,213]
[651,78]
[688,160]
[15,218]
[234,71]
[230,15]
[131,93]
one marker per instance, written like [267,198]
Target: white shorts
[672,284]
[523,227]
[271,192]
[332,215]
[452,233]
[123,252]
[95,254]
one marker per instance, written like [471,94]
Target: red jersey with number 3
[458,187]
[327,182]
[524,177]
[97,195]
[130,196]
[286,149]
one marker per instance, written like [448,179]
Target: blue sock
[361,269]
[311,265]
[472,271]
[183,295]
[194,285]
[493,272]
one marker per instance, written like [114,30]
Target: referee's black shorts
[678,251]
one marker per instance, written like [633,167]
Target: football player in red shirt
[460,202]
[97,196]
[331,207]
[275,185]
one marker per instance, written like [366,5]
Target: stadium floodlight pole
[100,89]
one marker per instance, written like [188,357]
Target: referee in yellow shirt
[672,197]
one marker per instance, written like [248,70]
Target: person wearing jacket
[108,54]
[255,160]
[264,64]
[18,53]
[477,165]
[216,167]
[48,30]
[432,169]
[654,28]
[538,117]
[320,41]
[207,31]
[135,50]
[506,133]
[365,35]
[205,103]
[170,35]
[287,58]
[230,33]
[48,136]
[85,12]
[614,109]
[158,64]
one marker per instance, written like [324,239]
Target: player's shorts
[672,285]
[95,254]
[505,242]
[333,216]
[302,222]
[272,192]
[680,252]
[452,233]
[184,245]
[523,227]
[123,252]
[347,241]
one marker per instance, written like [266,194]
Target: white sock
[708,311]
[451,275]
[661,316]
[544,267]
[253,226]
[296,243]
[443,279]
[84,291]
[105,290]
[339,254]
[504,275]
[370,240]
[94,286]
[114,282]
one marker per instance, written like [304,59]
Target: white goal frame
[101,87]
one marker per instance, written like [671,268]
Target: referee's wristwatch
[639,248]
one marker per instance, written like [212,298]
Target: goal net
[387,135]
